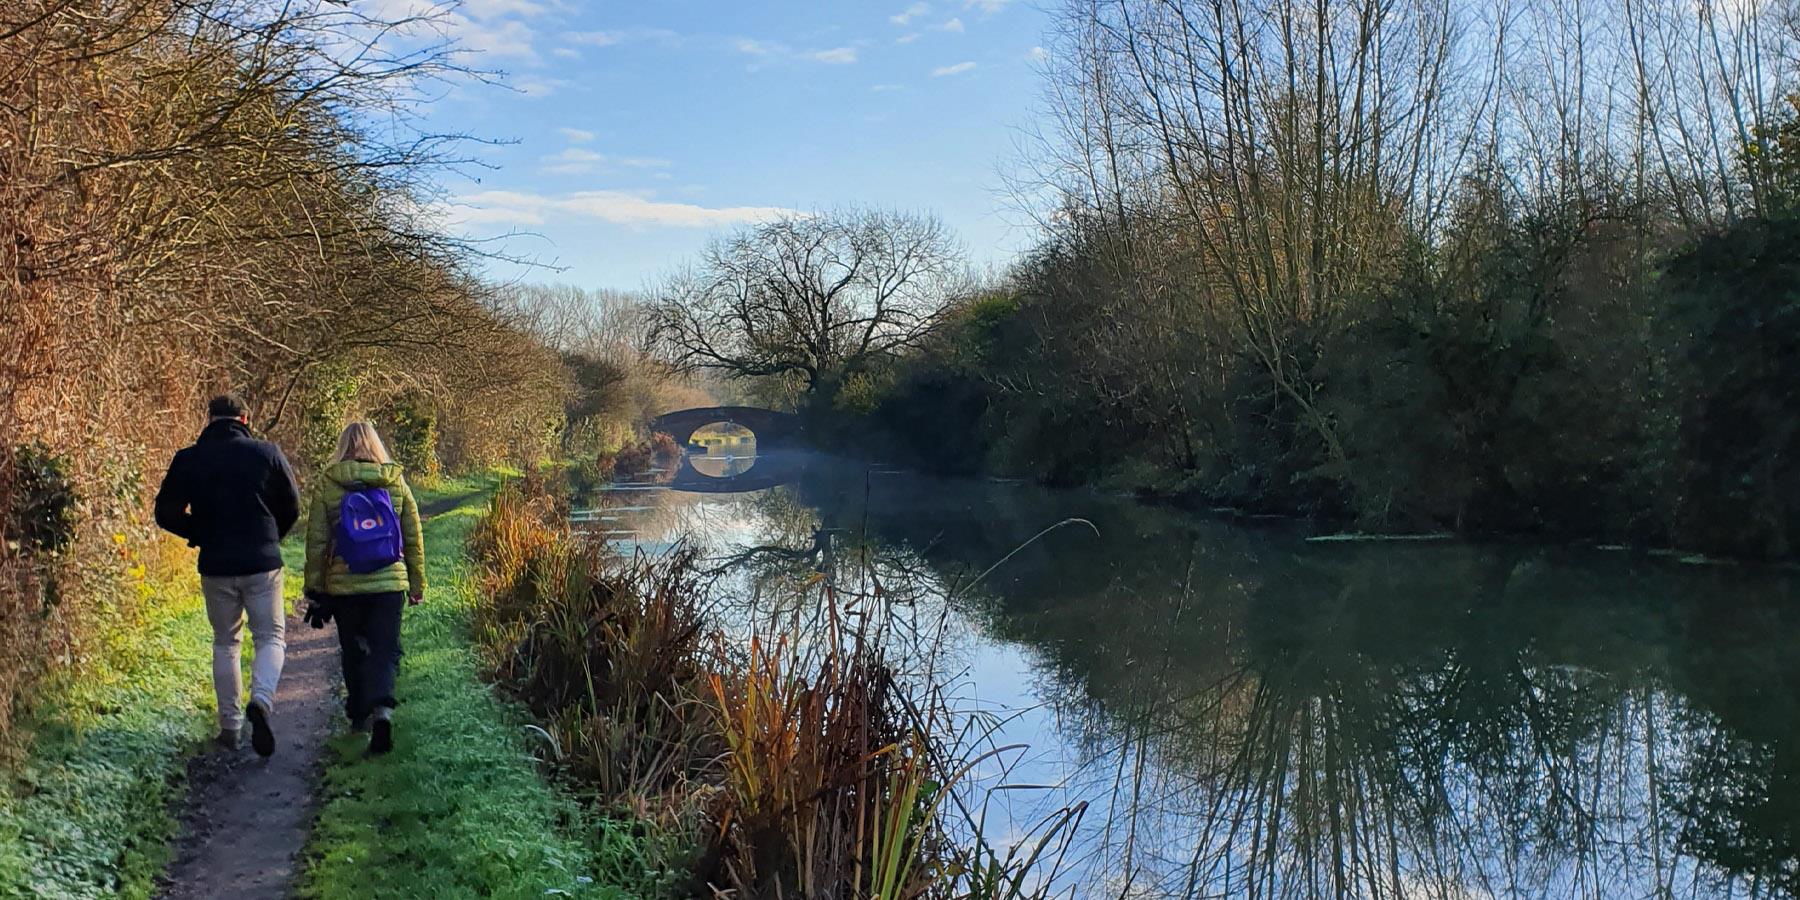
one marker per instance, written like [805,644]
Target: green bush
[1737,301]
[330,396]
[412,435]
[41,515]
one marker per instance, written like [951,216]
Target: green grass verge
[459,808]
[91,809]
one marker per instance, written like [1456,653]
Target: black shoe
[261,737]
[227,739]
[381,736]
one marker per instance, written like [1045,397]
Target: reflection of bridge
[771,469]
[773,429]
[779,454]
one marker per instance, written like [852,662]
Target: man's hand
[415,598]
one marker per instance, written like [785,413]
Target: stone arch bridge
[778,457]
[773,430]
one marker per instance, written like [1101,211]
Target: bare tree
[599,335]
[600,322]
[819,297]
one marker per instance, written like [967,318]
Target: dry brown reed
[791,762]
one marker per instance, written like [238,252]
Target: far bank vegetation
[1524,269]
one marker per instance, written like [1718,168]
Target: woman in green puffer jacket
[366,605]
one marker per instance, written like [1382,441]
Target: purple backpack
[368,532]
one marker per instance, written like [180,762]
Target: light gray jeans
[230,599]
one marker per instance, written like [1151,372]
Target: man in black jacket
[235,498]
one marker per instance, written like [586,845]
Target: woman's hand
[415,598]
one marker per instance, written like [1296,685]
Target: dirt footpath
[247,817]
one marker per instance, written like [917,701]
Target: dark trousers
[368,627]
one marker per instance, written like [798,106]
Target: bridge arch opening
[773,429]
[722,449]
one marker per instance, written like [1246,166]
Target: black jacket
[232,496]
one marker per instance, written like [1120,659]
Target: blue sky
[642,129]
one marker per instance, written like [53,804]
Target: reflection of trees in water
[1359,744]
[1270,719]
[1501,757]
[1257,717]
[1738,792]
[776,571]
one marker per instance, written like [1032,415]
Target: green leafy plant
[41,516]
[412,435]
[330,395]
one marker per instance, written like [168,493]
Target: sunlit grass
[90,810]
[458,808]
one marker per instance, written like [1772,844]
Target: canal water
[1238,711]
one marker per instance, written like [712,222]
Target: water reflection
[1255,716]
[722,450]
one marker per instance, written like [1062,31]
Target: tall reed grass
[788,763]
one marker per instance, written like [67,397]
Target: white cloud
[630,35]
[835,56]
[473,215]
[493,9]
[580,160]
[987,7]
[953,25]
[1038,54]
[775,51]
[912,12]
[575,154]
[957,69]
[491,28]
[539,87]
[907,38]
[566,53]
[883,88]
[578,135]
[619,207]
[572,161]
[511,38]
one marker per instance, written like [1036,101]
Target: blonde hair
[359,441]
